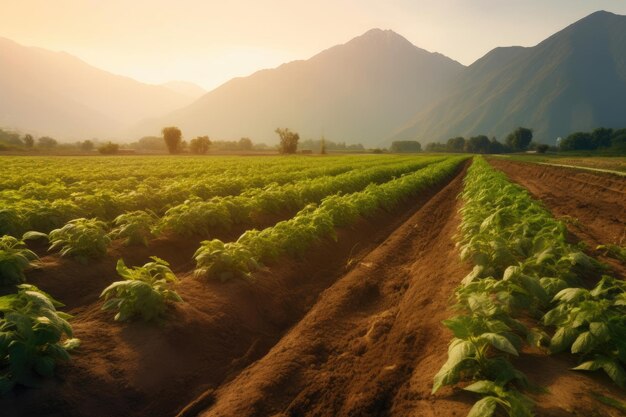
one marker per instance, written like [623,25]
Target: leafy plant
[32,334]
[479,350]
[593,323]
[514,403]
[143,293]
[135,227]
[81,238]
[15,257]
[216,259]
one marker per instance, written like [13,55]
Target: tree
[577,141]
[245,144]
[172,137]
[519,139]
[478,144]
[46,142]
[455,144]
[288,141]
[495,146]
[87,145]
[406,146]
[29,142]
[200,145]
[323,146]
[542,148]
[601,138]
[109,148]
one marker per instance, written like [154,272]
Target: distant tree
[150,143]
[478,144]
[519,139]
[405,146]
[577,141]
[542,148]
[495,146]
[29,142]
[601,137]
[109,148]
[245,144]
[323,146]
[200,145]
[46,142]
[172,137]
[455,144]
[436,147]
[288,141]
[87,145]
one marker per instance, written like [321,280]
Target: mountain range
[376,88]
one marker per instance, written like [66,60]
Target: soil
[592,205]
[145,369]
[352,329]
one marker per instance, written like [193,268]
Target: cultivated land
[358,268]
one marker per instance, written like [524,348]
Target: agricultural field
[363,285]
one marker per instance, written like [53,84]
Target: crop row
[44,213]
[34,336]
[525,271]
[216,259]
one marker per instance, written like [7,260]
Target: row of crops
[319,194]
[529,289]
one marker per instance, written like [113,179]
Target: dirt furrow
[593,206]
[372,343]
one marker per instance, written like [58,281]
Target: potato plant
[81,238]
[134,227]
[34,337]
[294,236]
[15,257]
[143,293]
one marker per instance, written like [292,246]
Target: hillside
[54,93]
[356,92]
[574,80]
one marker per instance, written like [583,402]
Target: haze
[210,42]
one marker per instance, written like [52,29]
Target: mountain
[186,88]
[356,92]
[54,93]
[574,80]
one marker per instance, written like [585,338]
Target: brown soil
[353,329]
[593,206]
[147,370]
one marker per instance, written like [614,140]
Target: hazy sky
[209,42]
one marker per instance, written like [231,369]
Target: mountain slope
[54,93]
[574,80]
[186,88]
[356,92]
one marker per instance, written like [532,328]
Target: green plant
[15,257]
[225,261]
[144,291]
[135,227]
[514,403]
[81,238]
[479,350]
[593,323]
[31,337]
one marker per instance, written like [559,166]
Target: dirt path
[592,205]
[372,343]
